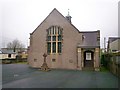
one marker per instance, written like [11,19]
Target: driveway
[22,76]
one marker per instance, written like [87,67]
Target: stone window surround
[54,35]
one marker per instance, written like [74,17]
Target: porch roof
[90,40]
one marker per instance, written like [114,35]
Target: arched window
[54,39]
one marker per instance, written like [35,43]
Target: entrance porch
[88,59]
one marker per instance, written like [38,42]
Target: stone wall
[112,62]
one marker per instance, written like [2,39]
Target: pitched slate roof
[6,51]
[111,39]
[89,39]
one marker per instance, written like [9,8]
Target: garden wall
[112,62]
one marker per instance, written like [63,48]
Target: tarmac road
[22,76]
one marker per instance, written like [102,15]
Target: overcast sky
[18,18]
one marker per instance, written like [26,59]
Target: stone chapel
[66,46]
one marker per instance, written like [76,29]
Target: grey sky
[18,18]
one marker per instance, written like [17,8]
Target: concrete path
[22,76]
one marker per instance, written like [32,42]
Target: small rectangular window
[59,47]
[60,31]
[49,47]
[35,60]
[53,30]
[83,37]
[54,38]
[53,60]
[49,32]
[59,38]
[9,55]
[54,47]
[49,38]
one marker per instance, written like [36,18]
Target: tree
[15,44]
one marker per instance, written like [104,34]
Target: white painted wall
[4,56]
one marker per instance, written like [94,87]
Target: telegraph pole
[104,45]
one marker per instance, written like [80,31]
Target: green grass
[103,69]
[21,62]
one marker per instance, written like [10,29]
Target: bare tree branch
[15,44]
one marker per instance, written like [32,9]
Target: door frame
[88,63]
